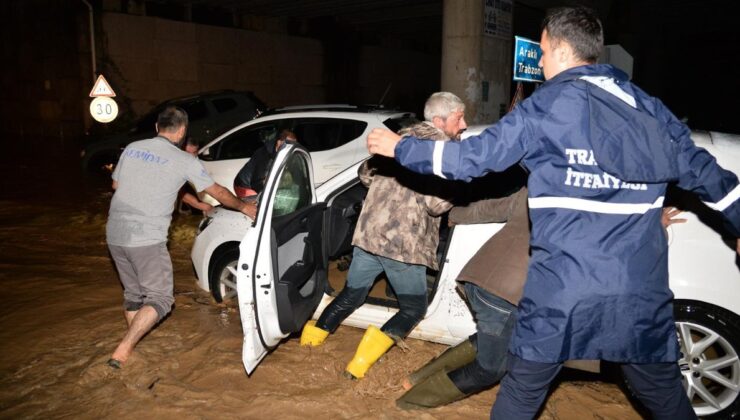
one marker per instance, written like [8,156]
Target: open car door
[282,270]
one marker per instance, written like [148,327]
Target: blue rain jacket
[600,152]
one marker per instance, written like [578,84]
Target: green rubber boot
[452,358]
[434,391]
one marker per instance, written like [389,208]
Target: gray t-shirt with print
[150,174]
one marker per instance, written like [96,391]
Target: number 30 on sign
[103,109]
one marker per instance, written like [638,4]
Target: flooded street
[61,318]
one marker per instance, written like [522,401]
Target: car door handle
[335,166]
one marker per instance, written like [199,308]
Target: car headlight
[204,224]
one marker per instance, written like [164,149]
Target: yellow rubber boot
[373,345]
[313,335]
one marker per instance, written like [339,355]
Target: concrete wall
[152,59]
[47,70]
[44,77]
[473,61]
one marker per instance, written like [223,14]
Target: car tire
[222,279]
[710,362]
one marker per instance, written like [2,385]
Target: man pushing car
[600,154]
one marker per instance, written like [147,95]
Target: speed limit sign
[103,109]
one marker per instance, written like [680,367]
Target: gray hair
[172,118]
[442,104]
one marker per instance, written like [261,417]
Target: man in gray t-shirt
[146,182]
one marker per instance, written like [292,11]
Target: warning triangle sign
[101,88]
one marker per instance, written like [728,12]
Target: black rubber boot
[434,391]
[411,310]
[452,358]
[340,308]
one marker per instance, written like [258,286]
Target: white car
[282,272]
[333,134]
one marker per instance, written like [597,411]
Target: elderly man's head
[447,112]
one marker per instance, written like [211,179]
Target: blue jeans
[408,281]
[495,319]
[657,385]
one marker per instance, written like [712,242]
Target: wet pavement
[61,318]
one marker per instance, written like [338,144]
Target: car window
[395,124]
[294,187]
[243,143]
[317,134]
[224,104]
[196,109]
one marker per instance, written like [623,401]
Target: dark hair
[172,118]
[284,134]
[190,141]
[579,27]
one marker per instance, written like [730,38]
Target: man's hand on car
[668,216]
[250,209]
[383,142]
[225,197]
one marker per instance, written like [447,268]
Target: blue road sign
[526,60]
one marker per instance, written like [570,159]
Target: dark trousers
[657,385]
[495,319]
[409,282]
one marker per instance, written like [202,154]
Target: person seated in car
[397,233]
[250,180]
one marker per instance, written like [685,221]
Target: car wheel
[710,345]
[223,275]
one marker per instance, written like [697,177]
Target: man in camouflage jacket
[397,233]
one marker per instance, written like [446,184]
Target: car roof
[364,109]
[207,94]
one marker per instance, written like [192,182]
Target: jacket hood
[628,142]
[606,70]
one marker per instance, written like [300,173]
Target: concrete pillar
[477,48]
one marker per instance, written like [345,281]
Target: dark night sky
[686,52]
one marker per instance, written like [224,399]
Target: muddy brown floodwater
[61,318]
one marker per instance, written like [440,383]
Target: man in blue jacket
[600,152]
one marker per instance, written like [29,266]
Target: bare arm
[225,197]
[193,202]
[114,185]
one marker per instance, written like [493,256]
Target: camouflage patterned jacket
[400,216]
